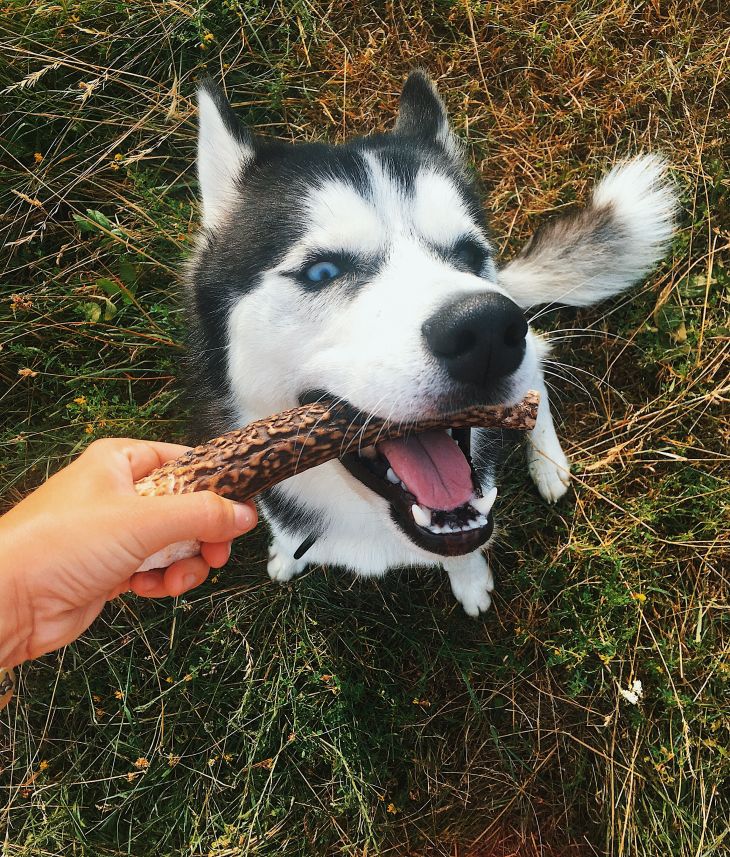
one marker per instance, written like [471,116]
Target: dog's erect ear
[422,114]
[582,258]
[225,147]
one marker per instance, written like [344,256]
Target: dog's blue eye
[320,272]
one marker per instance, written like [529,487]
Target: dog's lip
[314,396]
[401,500]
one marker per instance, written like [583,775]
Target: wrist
[15,618]
[14,629]
[14,637]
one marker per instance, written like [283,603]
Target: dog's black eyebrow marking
[400,167]
[348,258]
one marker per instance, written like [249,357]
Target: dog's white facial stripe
[340,219]
[432,210]
[386,194]
[438,211]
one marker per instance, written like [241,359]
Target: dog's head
[362,272]
[361,269]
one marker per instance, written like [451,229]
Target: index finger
[145,456]
[121,458]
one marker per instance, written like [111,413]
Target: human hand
[76,542]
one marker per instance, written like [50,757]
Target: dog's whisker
[580,334]
[555,393]
[574,382]
[558,303]
[599,381]
[369,417]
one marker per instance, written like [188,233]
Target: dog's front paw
[551,474]
[281,566]
[471,582]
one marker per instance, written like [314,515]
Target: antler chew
[243,463]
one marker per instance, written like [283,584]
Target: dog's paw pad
[550,475]
[282,568]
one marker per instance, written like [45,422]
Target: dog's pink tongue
[432,467]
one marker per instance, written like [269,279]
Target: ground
[333,715]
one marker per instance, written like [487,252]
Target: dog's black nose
[478,338]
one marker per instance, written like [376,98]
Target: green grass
[341,716]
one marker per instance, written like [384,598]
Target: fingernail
[244,517]
[190,580]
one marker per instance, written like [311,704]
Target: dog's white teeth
[391,477]
[369,452]
[436,530]
[420,515]
[483,505]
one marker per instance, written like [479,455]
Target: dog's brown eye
[470,255]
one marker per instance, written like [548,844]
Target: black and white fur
[400,207]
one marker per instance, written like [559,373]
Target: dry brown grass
[522,743]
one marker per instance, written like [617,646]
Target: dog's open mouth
[431,485]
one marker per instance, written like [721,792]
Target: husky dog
[364,272]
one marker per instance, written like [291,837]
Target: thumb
[202,515]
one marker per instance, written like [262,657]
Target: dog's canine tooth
[369,452]
[483,505]
[420,515]
[391,477]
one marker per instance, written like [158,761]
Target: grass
[339,716]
